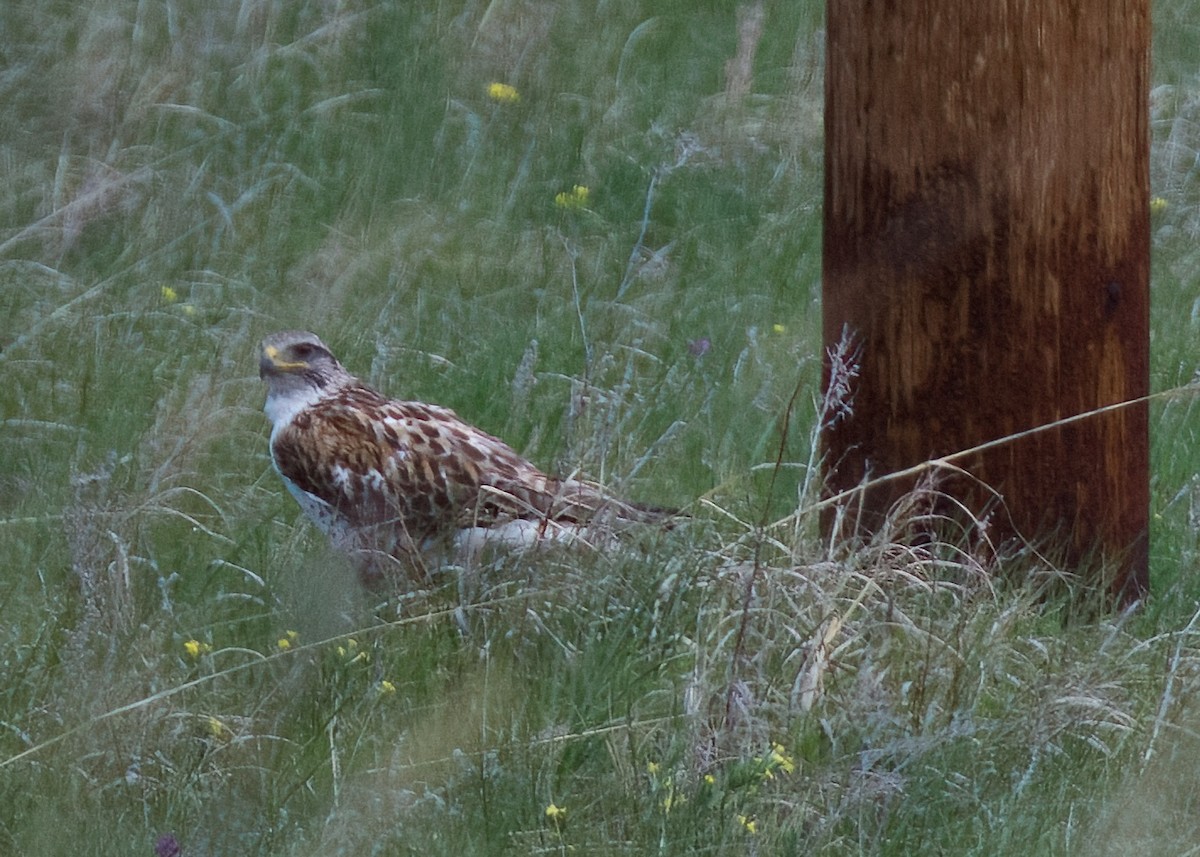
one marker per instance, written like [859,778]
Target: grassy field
[584,228]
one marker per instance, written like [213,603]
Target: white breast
[282,409]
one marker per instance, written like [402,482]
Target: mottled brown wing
[376,460]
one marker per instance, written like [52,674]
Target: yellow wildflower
[556,813]
[710,780]
[195,648]
[777,760]
[217,729]
[503,93]
[778,328]
[1158,205]
[652,768]
[749,823]
[288,640]
[169,294]
[574,199]
[781,760]
[386,687]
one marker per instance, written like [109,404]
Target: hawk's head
[298,367]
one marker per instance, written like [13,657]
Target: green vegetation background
[612,261]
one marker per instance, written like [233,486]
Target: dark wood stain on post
[987,242]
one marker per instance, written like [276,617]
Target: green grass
[179,180]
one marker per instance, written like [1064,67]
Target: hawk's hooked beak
[272,363]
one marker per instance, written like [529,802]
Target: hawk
[408,480]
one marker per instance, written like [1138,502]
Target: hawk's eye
[304,350]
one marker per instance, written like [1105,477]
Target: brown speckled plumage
[397,477]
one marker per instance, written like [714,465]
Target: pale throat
[281,407]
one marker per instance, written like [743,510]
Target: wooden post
[987,247]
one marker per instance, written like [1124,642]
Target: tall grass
[615,265]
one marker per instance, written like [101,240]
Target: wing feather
[377,460]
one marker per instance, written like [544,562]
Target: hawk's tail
[582,502]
